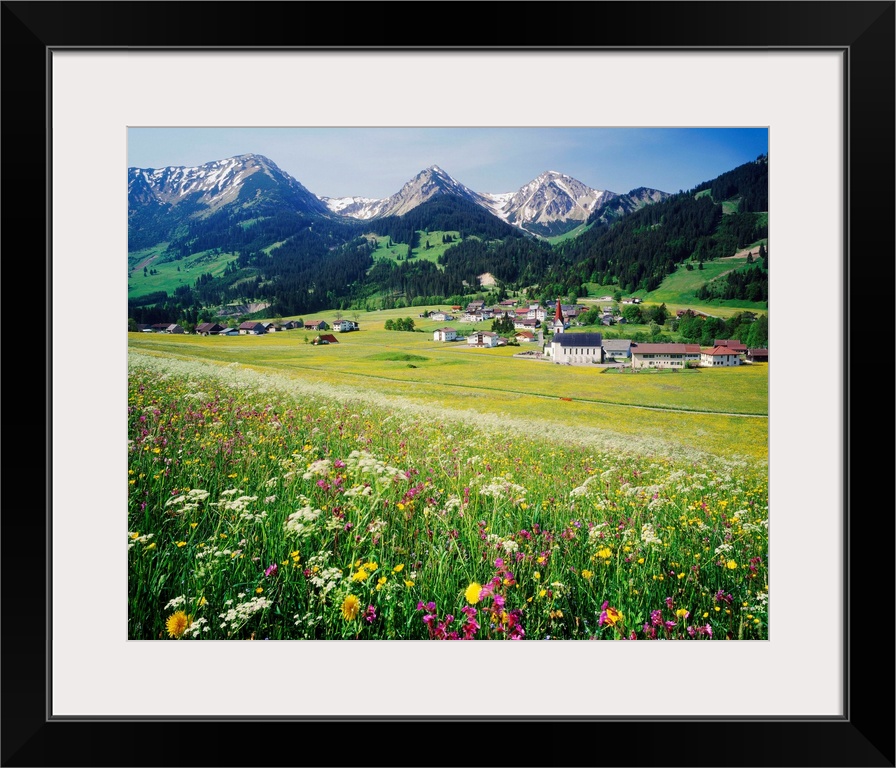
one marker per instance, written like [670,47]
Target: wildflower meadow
[261,510]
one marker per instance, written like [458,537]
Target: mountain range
[241,230]
[550,204]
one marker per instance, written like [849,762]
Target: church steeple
[559,324]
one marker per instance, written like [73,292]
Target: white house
[719,357]
[577,348]
[617,348]
[482,339]
[441,317]
[345,325]
[668,355]
[444,334]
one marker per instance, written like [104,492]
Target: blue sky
[376,162]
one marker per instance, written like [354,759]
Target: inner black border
[864,31]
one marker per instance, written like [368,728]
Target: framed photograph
[816,690]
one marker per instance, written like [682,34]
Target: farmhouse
[441,317]
[251,328]
[526,325]
[444,334]
[719,356]
[209,329]
[757,355]
[577,348]
[228,332]
[732,344]
[482,339]
[524,337]
[317,325]
[670,355]
[343,326]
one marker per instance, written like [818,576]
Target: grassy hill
[399,251]
[171,275]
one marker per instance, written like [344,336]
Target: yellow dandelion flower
[408,583]
[398,568]
[605,553]
[351,607]
[259,590]
[731,565]
[360,575]
[181,544]
[613,616]
[586,574]
[536,575]
[542,593]
[177,624]
[472,593]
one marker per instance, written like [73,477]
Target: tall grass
[263,507]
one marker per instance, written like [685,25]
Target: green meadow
[399,251]
[170,275]
[720,411]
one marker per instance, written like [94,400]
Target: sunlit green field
[678,290]
[399,251]
[170,275]
[721,411]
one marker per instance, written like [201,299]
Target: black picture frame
[863,736]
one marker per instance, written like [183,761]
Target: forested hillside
[638,251]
